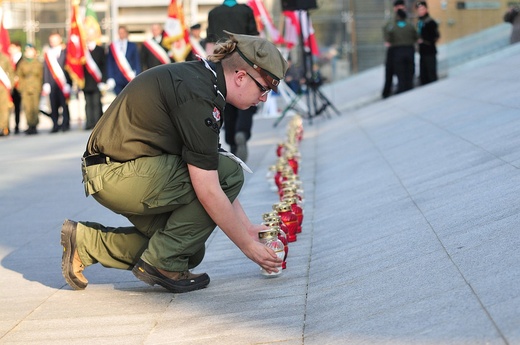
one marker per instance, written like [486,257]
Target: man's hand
[263,256]
[255,229]
[231,218]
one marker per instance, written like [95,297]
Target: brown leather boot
[176,282]
[71,265]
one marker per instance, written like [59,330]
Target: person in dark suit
[153,53]
[57,83]
[428,31]
[123,62]
[95,79]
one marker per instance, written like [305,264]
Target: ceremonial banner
[4,36]
[93,31]
[293,30]
[264,22]
[177,36]
[91,21]
[5,42]
[75,58]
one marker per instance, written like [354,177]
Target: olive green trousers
[170,226]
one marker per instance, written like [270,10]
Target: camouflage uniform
[30,81]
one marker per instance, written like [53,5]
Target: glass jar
[273,222]
[270,239]
[288,218]
[297,210]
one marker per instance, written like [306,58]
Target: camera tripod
[317,102]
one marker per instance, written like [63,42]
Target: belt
[97,158]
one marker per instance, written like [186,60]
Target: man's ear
[239,77]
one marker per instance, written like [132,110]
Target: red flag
[177,35]
[76,49]
[5,42]
[4,36]
[264,21]
[293,30]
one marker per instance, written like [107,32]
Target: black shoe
[71,265]
[31,130]
[178,282]
[55,129]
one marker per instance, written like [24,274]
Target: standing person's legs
[30,104]
[90,109]
[243,127]
[17,98]
[98,107]
[389,73]
[54,100]
[230,123]
[404,66]
[428,69]
[65,123]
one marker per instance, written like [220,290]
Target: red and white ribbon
[92,67]
[4,81]
[157,50]
[57,74]
[122,63]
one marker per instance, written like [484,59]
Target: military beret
[263,56]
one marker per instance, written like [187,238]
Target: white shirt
[121,45]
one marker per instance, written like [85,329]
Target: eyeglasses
[262,88]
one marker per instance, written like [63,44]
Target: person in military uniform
[402,37]
[6,85]
[389,59]
[30,81]
[155,158]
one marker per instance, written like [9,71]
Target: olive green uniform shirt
[170,109]
[30,76]
[400,35]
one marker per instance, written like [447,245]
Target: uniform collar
[221,80]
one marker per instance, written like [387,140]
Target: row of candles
[285,219]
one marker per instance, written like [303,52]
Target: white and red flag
[5,42]
[264,22]
[91,25]
[298,23]
[75,58]
[176,35]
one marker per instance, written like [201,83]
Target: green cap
[263,56]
